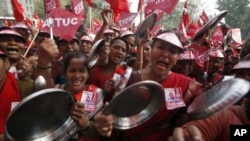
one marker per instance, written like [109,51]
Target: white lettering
[58,22]
[126,20]
[78,8]
[240,132]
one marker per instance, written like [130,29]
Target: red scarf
[8,94]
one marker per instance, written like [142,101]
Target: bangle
[87,127]
[43,68]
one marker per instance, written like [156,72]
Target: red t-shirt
[8,94]
[174,80]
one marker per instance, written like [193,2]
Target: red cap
[171,38]
[74,38]
[109,31]
[126,33]
[11,32]
[244,64]
[115,28]
[86,38]
[186,55]
[214,52]
[21,25]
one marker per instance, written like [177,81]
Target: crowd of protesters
[162,58]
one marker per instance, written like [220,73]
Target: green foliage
[238,15]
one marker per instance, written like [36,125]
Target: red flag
[141,2]
[65,24]
[7,23]
[125,19]
[50,5]
[200,22]
[156,29]
[96,24]
[88,1]
[17,10]
[182,31]
[218,34]
[28,22]
[35,15]
[117,6]
[149,9]
[165,5]
[185,15]
[204,16]
[192,29]
[78,7]
[236,35]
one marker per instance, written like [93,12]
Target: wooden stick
[31,44]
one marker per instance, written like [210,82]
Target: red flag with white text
[192,29]
[126,19]
[17,10]
[65,23]
[50,5]
[78,7]
[165,5]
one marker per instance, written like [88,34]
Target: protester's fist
[48,48]
[103,121]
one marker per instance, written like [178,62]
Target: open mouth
[12,51]
[162,64]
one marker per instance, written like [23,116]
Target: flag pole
[90,19]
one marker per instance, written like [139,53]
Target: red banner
[50,5]
[192,29]
[218,34]
[65,23]
[126,19]
[165,5]
[78,7]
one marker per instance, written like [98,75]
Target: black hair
[120,38]
[74,54]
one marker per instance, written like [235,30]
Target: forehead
[77,60]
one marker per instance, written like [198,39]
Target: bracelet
[86,128]
[43,68]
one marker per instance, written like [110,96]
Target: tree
[237,15]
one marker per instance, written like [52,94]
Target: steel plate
[136,104]
[209,25]
[148,23]
[219,97]
[43,115]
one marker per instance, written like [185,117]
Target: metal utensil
[219,97]
[93,56]
[43,115]
[208,27]
[40,83]
[136,104]
[147,24]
